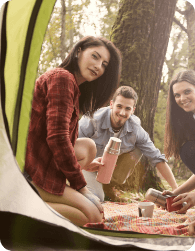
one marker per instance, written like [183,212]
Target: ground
[131,196]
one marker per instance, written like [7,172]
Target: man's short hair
[126,92]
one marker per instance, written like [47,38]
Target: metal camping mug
[156,196]
[109,159]
[162,200]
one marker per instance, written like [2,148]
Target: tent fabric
[26,23]
[25,218]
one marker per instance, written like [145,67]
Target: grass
[167,186]
[126,196]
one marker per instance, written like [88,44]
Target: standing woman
[180,133]
[84,82]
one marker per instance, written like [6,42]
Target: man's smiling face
[122,108]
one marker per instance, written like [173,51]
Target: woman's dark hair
[97,93]
[180,125]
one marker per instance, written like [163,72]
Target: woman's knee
[77,200]
[89,209]
[94,215]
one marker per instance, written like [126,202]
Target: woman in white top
[180,134]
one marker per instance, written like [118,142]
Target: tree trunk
[141,32]
[190,16]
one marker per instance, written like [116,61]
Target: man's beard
[118,124]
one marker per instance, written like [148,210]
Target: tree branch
[189,8]
[182,12]
[185,12]
[180,24]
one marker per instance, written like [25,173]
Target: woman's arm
[188,186]
[184,195]
[62,96]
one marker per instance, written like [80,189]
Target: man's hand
[94,165]
[167,174]
[94,199]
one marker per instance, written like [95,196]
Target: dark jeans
[187,154]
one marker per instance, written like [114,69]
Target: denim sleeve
[86,128]
[147,147]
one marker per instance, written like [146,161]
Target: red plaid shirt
[50,156]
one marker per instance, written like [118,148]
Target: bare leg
[72,205]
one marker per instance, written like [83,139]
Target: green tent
[25,220]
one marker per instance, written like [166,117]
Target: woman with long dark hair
[180,133]
[84,82]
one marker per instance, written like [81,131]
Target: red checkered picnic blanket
[124,217]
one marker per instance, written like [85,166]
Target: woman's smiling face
[92,63]
[184,94]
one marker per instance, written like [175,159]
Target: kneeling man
[118,120]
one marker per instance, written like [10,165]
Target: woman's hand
[94,199]
[94,165]
[192,229]
[167,192]
[188,198]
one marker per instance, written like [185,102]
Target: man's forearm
[167,174]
